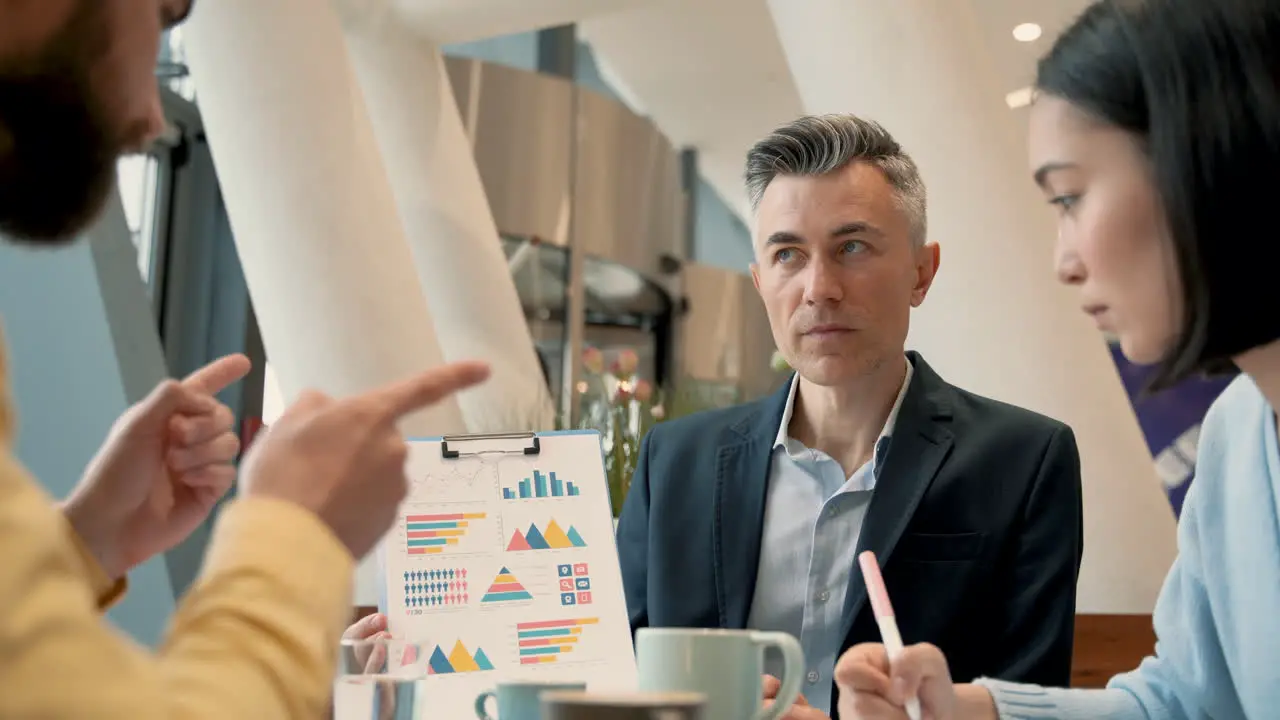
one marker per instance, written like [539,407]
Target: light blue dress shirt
[813,516]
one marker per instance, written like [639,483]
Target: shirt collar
[793,446]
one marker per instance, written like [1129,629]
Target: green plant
[623,407]
[620,405]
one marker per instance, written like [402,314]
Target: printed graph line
[541,486]
[432,534]
[545,641]
[462,477]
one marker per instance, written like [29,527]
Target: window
[273,404]
[138,177]
[172,69]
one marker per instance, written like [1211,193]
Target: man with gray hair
[753,516]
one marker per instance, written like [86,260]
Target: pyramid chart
[505,588]
[459,660]
[552,538]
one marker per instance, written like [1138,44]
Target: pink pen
[884,618]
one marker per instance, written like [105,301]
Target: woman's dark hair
[1198,83]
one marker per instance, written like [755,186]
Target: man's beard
[57,165]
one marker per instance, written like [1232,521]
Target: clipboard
[534,446]
[503,564]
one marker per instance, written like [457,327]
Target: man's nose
[823,284]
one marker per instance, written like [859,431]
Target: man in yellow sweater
[257,635]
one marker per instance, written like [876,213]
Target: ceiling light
[1019,98]
[1026,32]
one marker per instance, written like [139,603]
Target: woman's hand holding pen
[871,690]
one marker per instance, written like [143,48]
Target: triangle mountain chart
[553,537]
[459,660]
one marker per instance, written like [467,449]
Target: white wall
[68,386]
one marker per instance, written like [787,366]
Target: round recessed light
[1026,32]
[1019,98]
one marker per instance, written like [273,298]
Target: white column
[315,222]
[996,321]
[448,222]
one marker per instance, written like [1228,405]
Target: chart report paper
[503,564]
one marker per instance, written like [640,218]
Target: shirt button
[822,596]
[812,677]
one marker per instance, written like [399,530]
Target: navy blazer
[976,520]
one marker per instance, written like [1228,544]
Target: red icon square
[584,598]
[566,585]
[580,569]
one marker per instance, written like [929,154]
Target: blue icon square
[565,570]
[568,599]
[583,583]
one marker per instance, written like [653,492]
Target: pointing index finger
[219,374]
[405,396]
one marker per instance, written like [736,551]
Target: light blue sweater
[1218,616]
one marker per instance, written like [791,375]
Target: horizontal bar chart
[545,641]
[432,534]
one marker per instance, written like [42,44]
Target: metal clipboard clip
[533,448]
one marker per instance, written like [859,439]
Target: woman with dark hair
[1156,134]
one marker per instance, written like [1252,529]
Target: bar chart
[435,533]
[541,485]
[545,641]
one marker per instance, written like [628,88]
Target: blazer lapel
[919,444]
[742,483]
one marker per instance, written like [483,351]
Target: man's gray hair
[821,144]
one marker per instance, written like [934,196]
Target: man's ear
[755,275]
[928,258]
